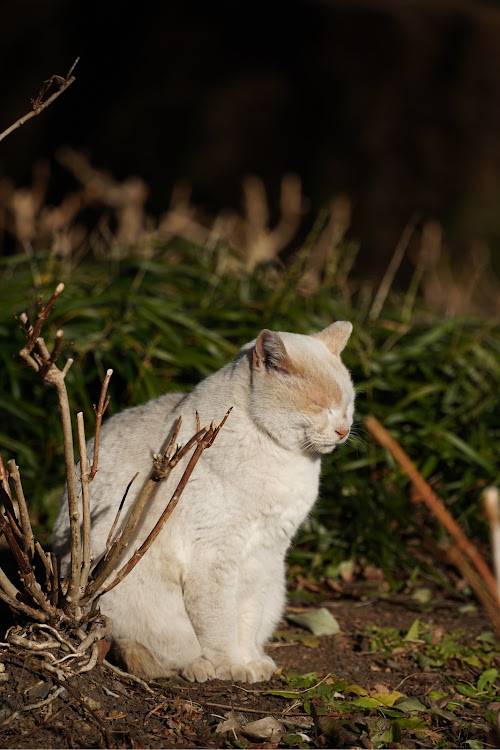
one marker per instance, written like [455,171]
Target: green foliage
[165,321]
[381,716]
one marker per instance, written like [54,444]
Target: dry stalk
[204,441]
[99,412]
[163,464]
[392,268]
[85,480]
[491,501]
[43,363]
[455,556]
[28,539]
[71,603]
[38,104]
[433,502]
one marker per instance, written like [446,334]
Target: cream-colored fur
[209,592]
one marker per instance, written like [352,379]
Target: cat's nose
[342,433]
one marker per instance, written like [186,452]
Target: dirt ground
[102,709]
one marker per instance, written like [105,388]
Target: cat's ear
[270,354]
[336,336]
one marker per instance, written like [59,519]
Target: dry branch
[163,464]
[38,104]
[455,556]
[71,604]
[433,502]
[85,480]
[491,500]
[205,441]
[99,412]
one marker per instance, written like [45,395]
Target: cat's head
[302,393]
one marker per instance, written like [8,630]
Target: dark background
[395,104]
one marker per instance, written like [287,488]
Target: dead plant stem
[64,83]
[84,477]
[434,504]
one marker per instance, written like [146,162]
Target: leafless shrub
[63,613]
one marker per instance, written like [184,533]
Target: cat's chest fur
[267,492]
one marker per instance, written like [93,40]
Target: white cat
[207,595]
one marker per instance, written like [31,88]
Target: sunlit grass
[166,321]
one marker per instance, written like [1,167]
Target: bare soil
[102,709]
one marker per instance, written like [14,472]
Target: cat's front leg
[211,600]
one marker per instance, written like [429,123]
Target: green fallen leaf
[318,621]
[367,702]
[487,637]
[487,679]
[409,705]
[305,639]
[356,689]
[413,632]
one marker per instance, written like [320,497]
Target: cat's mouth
[312,447]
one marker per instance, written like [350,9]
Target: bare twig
[6,500]
[162,466]
[455,556]
[126,675]
[28,539]
[434,504]
[38,104]
[119,512]
[99,412]
[139,553]
[84,476]
[44,364]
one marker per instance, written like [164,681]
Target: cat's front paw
[199,670]
[254,671]
[263,669]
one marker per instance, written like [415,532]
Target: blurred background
[393,104]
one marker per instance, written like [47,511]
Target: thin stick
[74,515]
[491,500]
[99,411]
[15,604]
[48,370]
[85,479]
[34,331]
[217,429]
[25,568]
[7,586]
[162,468]
[392,268]
[139,553]
[455,556]
[40,106]
[6,500]
[50,580]
[28,538]
[126,675]
[119,512]
[434,503]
